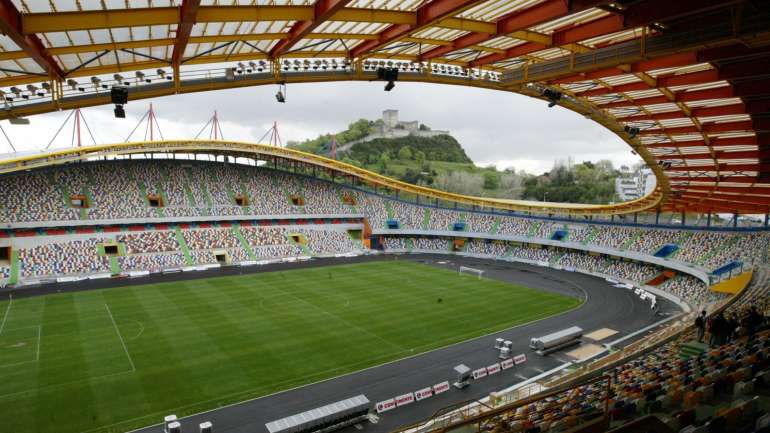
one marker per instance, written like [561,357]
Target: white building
[634,183]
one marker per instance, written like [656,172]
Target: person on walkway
[700,325]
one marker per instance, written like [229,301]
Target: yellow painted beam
[468,25]
[97,19]
[148,43]
[53,158]
[103,19]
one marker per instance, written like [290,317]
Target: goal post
[466,270]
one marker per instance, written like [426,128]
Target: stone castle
[393,128]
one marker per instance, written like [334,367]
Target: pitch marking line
[123,343]
[7,310]
[37,352]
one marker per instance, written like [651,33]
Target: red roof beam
[721,167]
[322,11]
[701,77]
[724,110]
[758,107]
[427,14]
[714,142]
[757,200]
[736,189]
[636,15]
[695,95]
[670,61]
[752,88]
[515,21]
[187,14]
[10,25]
[744,125]
[720,154]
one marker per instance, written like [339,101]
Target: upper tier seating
[211,189]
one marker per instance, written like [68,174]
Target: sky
[500,128]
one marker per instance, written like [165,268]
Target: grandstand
[243,283]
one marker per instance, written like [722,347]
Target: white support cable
[59,130]
[8,139]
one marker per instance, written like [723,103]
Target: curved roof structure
[684,83]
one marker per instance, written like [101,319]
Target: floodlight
[254,67]
[72,83]
[46,86]
[632,131]
[16,91]
[118,78]
[96,80]
[552,95]
[119,95]
[161,73]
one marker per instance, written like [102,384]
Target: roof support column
[187,13]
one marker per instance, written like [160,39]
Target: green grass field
[111,360]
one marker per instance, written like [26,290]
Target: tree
[384,160]
[490,180]
[405,153]
[419,156]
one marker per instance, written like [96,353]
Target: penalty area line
[123,343]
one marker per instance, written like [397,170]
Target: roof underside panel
[702,110]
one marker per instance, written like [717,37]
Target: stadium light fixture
[632,131]
[73,84]
[119,97]
[553,96]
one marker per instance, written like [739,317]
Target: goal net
[473,271]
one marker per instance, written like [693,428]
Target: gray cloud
[494,127]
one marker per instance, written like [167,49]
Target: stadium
[212,285]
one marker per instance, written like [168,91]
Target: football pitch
[116,359]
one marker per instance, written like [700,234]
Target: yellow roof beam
[468,25]
[148,43]
[104,19]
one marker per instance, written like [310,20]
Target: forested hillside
[441,162]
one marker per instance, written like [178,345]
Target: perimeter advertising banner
[404,399]
[520,359]
[492,369]
[424,393]
[478,374]
[386,405]
[441,387]
[505,365]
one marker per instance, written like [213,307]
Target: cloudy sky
[499,128]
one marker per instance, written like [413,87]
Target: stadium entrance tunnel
[5,255]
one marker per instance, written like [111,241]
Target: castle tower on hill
[391,127]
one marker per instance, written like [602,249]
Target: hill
[441,162]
